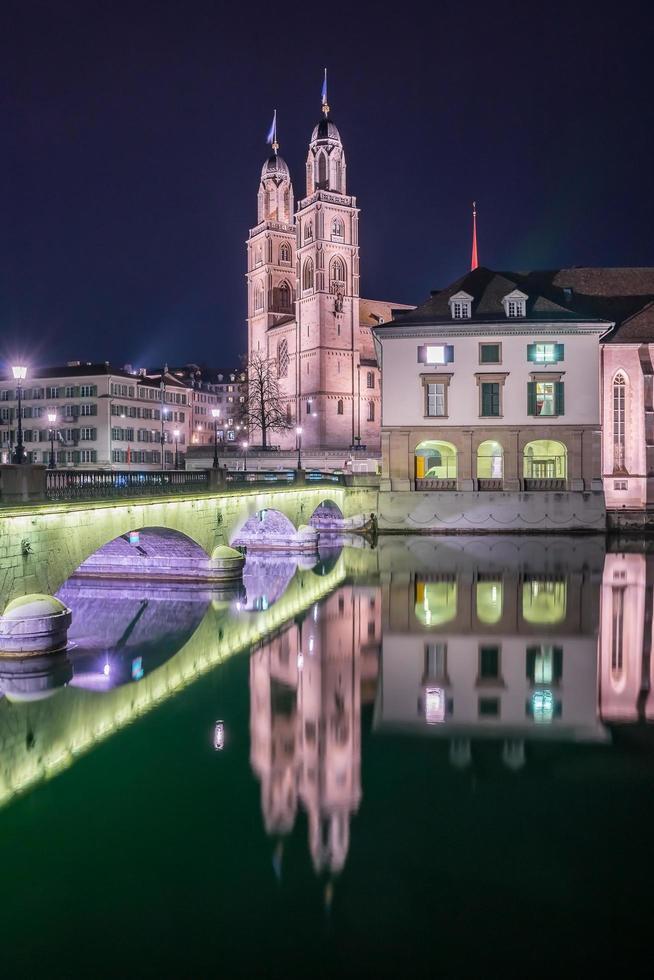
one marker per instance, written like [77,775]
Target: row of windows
[138,412]
[544,398]
[145,435]
[68,391]
[515,305]
[491,353]
[140,456]
[65,412]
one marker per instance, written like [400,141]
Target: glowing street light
[20,373]
[298,442]
[216,415]
[52,419]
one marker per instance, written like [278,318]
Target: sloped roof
[488,289]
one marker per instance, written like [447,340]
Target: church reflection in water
[508,646]
[307,685]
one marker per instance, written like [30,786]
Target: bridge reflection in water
[508,642]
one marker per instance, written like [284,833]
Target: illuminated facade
[306,689]
[492,384]
[305,314]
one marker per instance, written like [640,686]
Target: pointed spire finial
[325,104]
[272,134]
[475,261]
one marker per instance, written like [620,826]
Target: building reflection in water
[625,684]
[307,685]
[511,644]
[498,645]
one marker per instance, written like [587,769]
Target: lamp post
[245,455]
[176,434]
[298,440]
[164,412]
[216,415]
[20,373]
[52,419]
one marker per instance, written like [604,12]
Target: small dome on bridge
[33,606]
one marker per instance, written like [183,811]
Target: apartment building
[106,417]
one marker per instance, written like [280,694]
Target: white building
[107,418]
[491,385]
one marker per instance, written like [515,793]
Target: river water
[432,758]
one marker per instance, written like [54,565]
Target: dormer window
[461,306]
[515,304]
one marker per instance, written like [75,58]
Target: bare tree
[265,408]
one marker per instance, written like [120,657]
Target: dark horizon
[134,136]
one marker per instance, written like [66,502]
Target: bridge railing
[92,484]
[23,484]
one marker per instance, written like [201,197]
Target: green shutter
[558,663]
[449,353]
[559,402]
[531,353]
[559,348]
[531,661]
[531,397]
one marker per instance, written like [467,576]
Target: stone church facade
[305,314]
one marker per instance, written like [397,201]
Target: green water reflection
[437,760]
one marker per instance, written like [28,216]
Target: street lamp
[176,434]
[298,440]
[20,373]
[52,419]
[216,415]
[245,455]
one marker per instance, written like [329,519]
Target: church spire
[474,261]
[272,134]
[325,104]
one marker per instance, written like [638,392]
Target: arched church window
[258,296]
[307,275]
[338,229]
[284,252]
[619,407]
[339,406]
[337,270]
[308,231]
[284,297]
[322,170]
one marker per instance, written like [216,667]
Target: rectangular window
[490,398]
[545,398]
[490,353]
[436,354]
[370,380]
[435,661]
[435,399]
[371,411]
[489,663]
[461,311]
[549,353]
[489,707]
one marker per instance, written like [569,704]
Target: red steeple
[474,261]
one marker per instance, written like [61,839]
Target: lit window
[434,705]
[545,353]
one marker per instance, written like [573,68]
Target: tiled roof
[488,289]
[371,309]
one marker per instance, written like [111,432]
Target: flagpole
[275,144]
[474,260]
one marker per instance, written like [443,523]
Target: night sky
[132,137]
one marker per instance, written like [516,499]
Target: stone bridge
[41,545]
[40,738]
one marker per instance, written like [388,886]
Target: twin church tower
[305,315]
